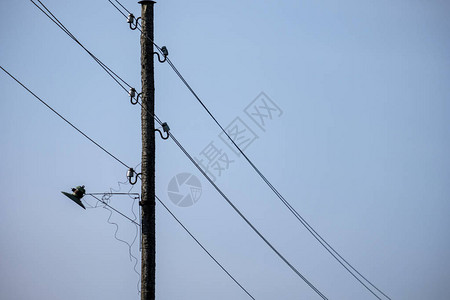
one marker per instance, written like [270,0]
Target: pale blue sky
[361,149]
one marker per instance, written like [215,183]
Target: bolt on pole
[148,269]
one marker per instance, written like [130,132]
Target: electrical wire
[341,260]
[108,205]
[61,26]
[116,78]
[64,119]
[55,20]
[123,7]
[245,219]
[118,8]
[110,72]
[106,197]
[117,211]
[184,227]
[207,252]
[313,232]
[223,195]
[236,209]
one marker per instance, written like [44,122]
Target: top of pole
[146,2]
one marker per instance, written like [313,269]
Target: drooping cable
[225,197]
[108,205]
[313,232]
[117,211]
[190,157]
[184,227]
[341,260]
[64,119]
[133,196]
[123,7]
[108,70]
[55,20]
[118,8]
[207,252]
[245,219]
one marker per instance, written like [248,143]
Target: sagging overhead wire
[237,210]
[55,20]
[61,26]
[133,196]
[119,8]
[310,229]
[64,119]
[117,211]
[240,214]
[246,220]
[164,52]
[207,252]
[118,160]
[336,255]
[130,91]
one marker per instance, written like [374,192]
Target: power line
[138,25]
[59,24]
[122,6]
[64,119]
[184,227]
[117,211]
[108,70]
[207,252]
[246,220]
[118,9]
[225,197]
[118,160]
[240,214]
[55,20]
[313,232]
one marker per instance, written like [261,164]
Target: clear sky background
[361,149]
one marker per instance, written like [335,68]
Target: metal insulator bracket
[165,53]
[130,174]
[166,129]
[132,93]
[133,21]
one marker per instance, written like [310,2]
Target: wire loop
[133,21]
[130,174]
[165,53]
[166,129]
[133,100]
[160,133]
[159,57]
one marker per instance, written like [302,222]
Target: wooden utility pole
[148,269]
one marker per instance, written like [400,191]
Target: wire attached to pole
[341,260]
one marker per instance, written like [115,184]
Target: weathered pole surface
[148,269]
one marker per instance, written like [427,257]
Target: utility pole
[148,269]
